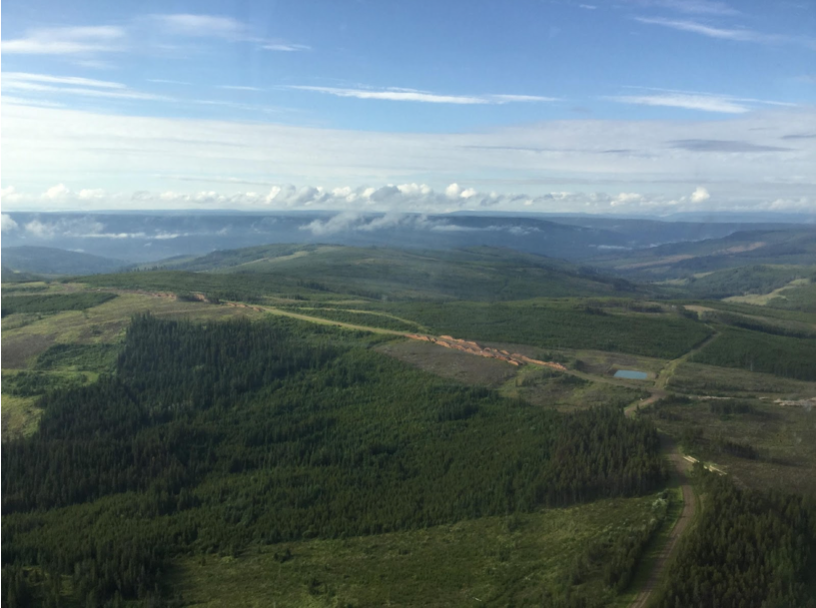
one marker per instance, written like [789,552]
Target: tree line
[749,549]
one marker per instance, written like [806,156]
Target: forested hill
[52,261]
[219,437]
[484,273]
[745,248]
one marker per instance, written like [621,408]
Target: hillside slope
[676,260]
[481,273]
[52,261]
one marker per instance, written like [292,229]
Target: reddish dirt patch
[472,348]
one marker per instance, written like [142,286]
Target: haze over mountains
[138,238]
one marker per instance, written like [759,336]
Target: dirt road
[681,467]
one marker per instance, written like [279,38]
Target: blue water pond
[631,374]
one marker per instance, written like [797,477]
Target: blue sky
[647,106]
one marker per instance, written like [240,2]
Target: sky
[559,106]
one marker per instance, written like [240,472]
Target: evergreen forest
[212,438]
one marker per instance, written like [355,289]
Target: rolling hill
[748,248]
[482,273]
[52,261]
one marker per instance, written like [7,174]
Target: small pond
[631,374]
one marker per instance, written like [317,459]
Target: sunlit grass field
[505,561]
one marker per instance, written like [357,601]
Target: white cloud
[55,192]
[44,83]
[626,198]
[91,194]
[7,224]
[73,80]
[40,229]
[399,94]
[705,103]
[405,205]
[453,191]
[339,223]
[67,40]
[736,34]
[750,157]
[348,221]
[695,100]
[700,195]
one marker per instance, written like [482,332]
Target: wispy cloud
[72,80]
[736,34]
[58,87]
[688,102]
[25,101]
[43,83]
[231,87]
[699,7]
[67,41]
[221,27]
[288,48]
[692,100]
[399,94]
[165,81]
[210,26]
[84,42]
[719,145]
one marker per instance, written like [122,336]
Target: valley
[368,427]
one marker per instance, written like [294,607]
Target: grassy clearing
[492,561]
[784,437]
[21,391]
[560,324]
[362,317]
[79,341]
[801,297]
[549,388]
[20,416]
[451,364]
[105,323]
[762,299]
[700,379]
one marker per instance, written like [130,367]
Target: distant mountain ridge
[53,261]
[477,273]
[147,236]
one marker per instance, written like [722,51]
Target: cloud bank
[353,203]
[120,162]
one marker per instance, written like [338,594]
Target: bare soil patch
[448,363]
[17,351]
